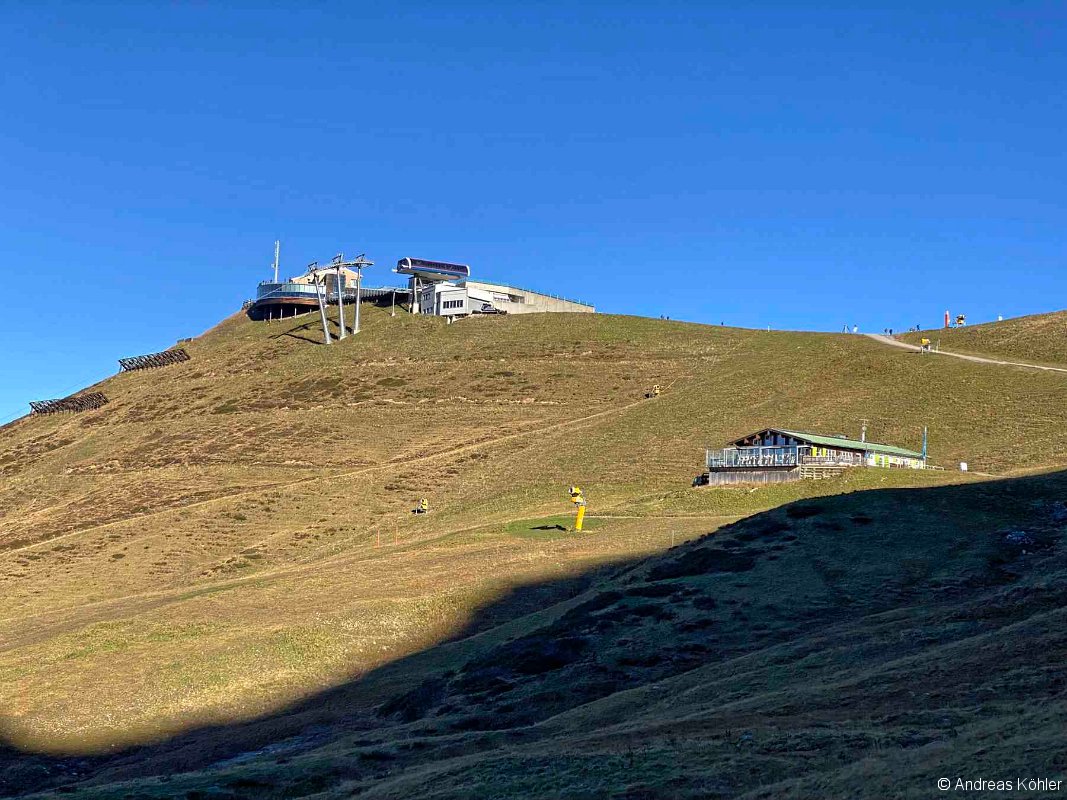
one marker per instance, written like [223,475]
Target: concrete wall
[743,476]
[522,301]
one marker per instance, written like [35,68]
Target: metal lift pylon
[356,265]
[312,267]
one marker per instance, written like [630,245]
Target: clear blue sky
[758,164]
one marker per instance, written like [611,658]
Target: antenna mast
[277,250]
[863,430]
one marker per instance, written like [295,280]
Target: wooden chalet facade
[776,454]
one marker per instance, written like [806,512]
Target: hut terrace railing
[840,458]
[777,456]
[753,457]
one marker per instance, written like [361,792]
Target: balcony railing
[753,457]
[837,459]
[282,291]
[289,289]
[757,457]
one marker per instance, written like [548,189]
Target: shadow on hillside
[872,550]
[308,331]
[298,337]
[308,326]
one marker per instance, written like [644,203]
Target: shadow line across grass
[857,645]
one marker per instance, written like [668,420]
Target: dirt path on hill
[72,617]
[346,474]
[977,359]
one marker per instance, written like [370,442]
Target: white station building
[442,289]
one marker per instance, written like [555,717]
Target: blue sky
[755,164]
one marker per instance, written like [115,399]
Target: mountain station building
[435,288]
[444,289]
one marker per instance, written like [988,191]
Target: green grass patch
[550,527]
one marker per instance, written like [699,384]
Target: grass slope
[232,535]
[1037,339]
[860,645]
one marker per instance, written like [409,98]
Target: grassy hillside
[1037,339]
[860,645]
[232,535]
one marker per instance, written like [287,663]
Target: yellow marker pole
[579,500]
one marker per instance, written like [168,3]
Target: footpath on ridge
[977,359]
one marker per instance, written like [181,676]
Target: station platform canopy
[432,270]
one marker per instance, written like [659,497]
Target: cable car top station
[435,288]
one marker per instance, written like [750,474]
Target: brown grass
[204,549]
[1037,339]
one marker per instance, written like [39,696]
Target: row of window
[452,304]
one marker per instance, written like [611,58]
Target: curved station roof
[432,270]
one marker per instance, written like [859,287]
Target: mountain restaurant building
[776,454]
